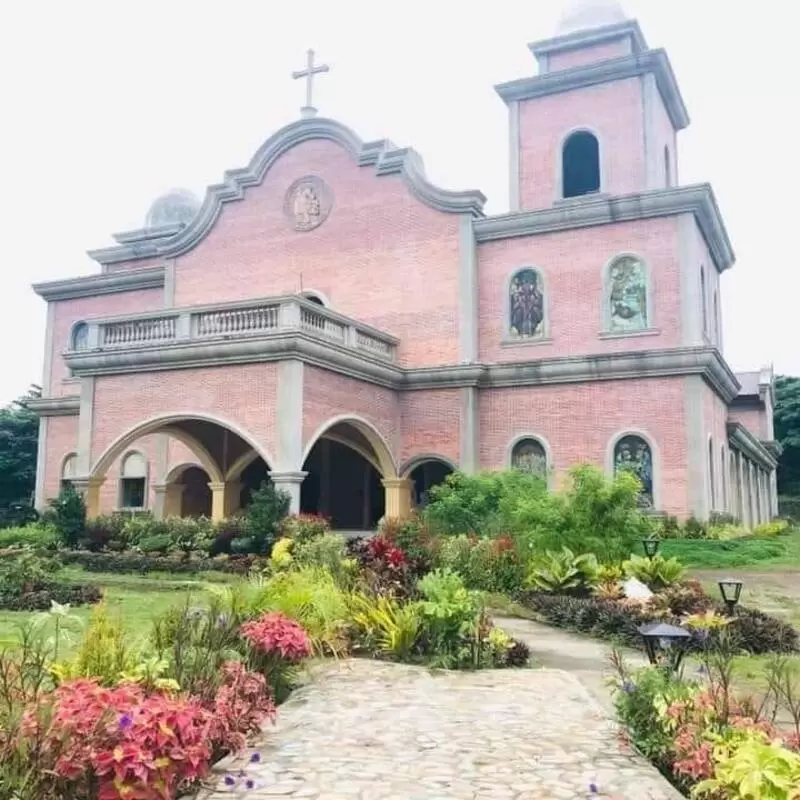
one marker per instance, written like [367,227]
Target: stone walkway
[366,730]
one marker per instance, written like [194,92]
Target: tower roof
[583,15]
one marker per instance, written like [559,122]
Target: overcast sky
[105,105]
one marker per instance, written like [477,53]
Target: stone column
[233,497]
[398,497]
[168,500]
[90,489]
[218,492]
[290,482]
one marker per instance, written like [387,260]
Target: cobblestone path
[366,730]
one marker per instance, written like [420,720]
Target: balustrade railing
[230,322]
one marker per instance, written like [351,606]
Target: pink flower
[275,633]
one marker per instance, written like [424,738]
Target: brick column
[398,497]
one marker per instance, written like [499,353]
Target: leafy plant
[268,507]
[328,551]
[388,626]
[67,514]
[36,535]
[656,573]
[768,529]
[563,572]
[159,543]
[304,527]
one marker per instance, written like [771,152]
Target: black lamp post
[651,545]
[731,591]
[665,644]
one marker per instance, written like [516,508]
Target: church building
[328,319]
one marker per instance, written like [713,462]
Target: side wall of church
[430,424]
[62,439]
[588,55]
[382,256]
[580,422]
[754,419]
[715,414]
[573,268]
[612,111]
[68,312]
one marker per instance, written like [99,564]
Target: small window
[69,471]
[526,305]
[712,487]
[580,164]
[133,481]
[633,454]
[529,455]
[703,300]
[80,336]
[667,168]
[717,331]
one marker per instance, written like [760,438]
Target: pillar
[90,489]
[168,500]
[398,497]
[290,482]
[233,497]
[218,506]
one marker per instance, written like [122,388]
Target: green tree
[19,433]
[787,432]
[267,508]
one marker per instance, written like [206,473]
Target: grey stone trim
[289,414]
[66,406]
[696,466]
[655,452]
[40,501]
[424,458]
[514,154]
[467,291]
[469,453]
[705,361]
[143,234]
[613,69]
[85,425]
[591,38]
[744,441]
[104,283]
[49,344]
[169,284]
[383,156]
[690,289]
[698,200]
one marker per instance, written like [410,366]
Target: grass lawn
[778,552]
[137,598]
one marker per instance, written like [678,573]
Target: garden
[137,653]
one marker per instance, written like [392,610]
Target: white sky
[107,104]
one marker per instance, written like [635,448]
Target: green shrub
[387,626]
[132,562]
[669,528]
[67,514]
[694,529]
[726,532]
[769,529]
[757,633]
[329,552]
[563,572]
[225,532]
[36,534]
[268,507]
[656,573]
[490,565]
[26,571]
[156,543]
[304,527]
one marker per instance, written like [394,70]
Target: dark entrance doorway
[424,477]
[196,496]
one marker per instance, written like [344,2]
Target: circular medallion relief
[308,202]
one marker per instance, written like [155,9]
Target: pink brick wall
[110,490]
[430,423]
[327,395]
[665,138]
[613,111]
[244,394]
[588,55]
[68,312]
[579,422]
[62,438]
[572,264]
[715,415]
[751,418]
[382,256]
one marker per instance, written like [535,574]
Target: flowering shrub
[304,527]
[120,743]
[275,633]
[385,568]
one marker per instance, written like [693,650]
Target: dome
[176,205]
[586,14]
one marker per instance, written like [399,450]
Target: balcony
[224,333]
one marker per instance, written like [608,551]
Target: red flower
[396,557]
[276,633]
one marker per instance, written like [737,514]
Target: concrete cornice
[104,283]
[382,155]
[697,199]
[323,353]
[66,406]
[613,69]
[591,38]
[740,438]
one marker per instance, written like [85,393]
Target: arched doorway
[346,466]
[195,494]
[425,473]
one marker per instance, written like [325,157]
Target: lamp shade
[651,545]
[664,643]
[731,590]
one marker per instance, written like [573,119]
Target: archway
[347,463]
[225,455]
[425,472]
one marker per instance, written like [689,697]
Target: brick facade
[413,355]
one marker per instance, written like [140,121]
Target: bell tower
[600,118]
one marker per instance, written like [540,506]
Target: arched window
[712,478]
[133,481]
[529,455]
[723,477]
[716,320]
[69,471]
[633,454]
[627,301]
[703,300]
[80,337]
[580,164]
[526,305]
[313,297]
[667,168]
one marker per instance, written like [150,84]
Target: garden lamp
[731,591]
[664,644]
[651,545]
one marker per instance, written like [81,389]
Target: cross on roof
[308,73]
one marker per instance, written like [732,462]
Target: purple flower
[125,721]
[255,758]
[593,788]
[230,780]
[628,687]
[249,783]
